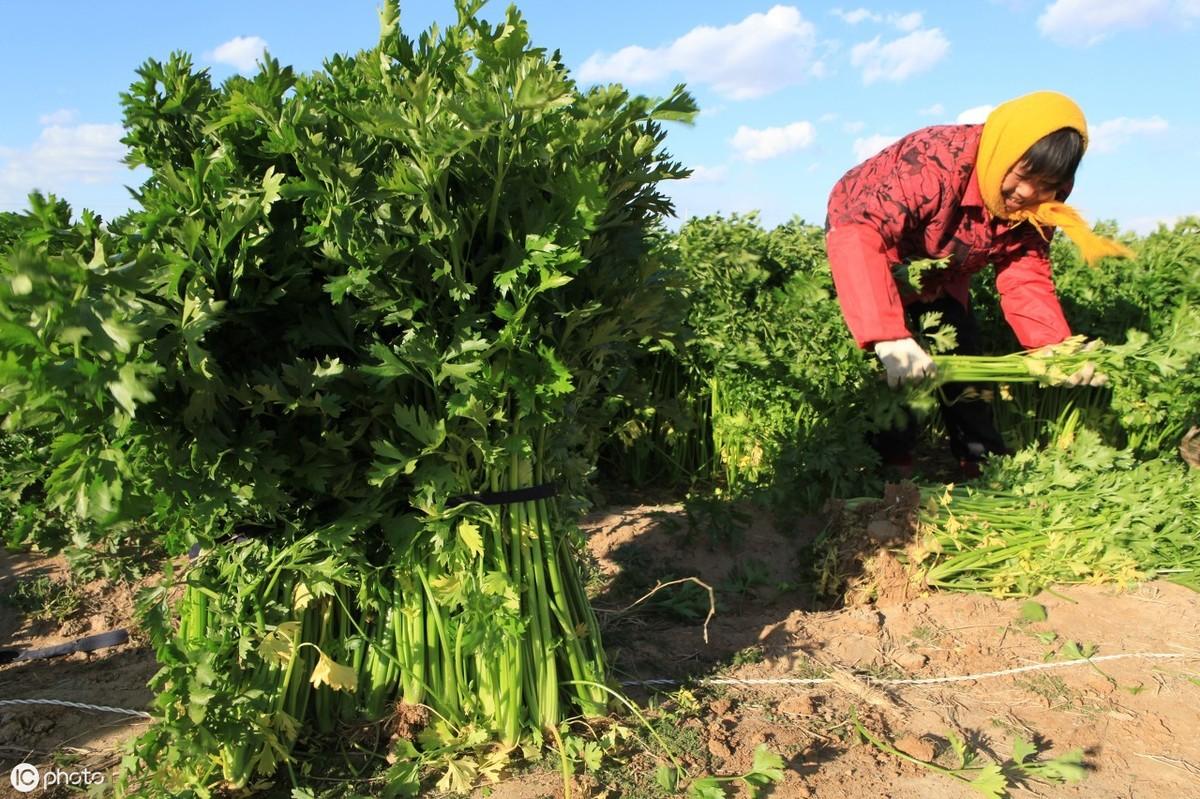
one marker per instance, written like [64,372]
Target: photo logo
[25,777]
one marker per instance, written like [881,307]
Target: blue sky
[792,95]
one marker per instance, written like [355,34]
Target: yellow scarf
[1010,130]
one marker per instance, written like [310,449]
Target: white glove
[904,360]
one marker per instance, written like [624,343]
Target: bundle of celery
[1049,366]
[364,318]
[1150,397]
[1082,513]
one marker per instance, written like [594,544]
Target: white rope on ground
[734,681]
[921,681]
[79,705]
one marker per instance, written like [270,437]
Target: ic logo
[25,777]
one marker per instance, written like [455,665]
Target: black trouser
[969,420]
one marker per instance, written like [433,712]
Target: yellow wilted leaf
[494,763]
[335,675]
[449,590]
[472,540]
[286,724]
[279,643]
[459,776]
[277,648]
[301,596]
[496,584]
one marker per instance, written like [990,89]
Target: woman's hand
[904,361]
[1086,374]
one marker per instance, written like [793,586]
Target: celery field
[346,393]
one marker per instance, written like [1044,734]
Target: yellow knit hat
[1010,130]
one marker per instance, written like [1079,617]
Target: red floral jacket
[920,198]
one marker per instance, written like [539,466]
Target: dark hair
[1055,157]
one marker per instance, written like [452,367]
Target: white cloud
[899,59]
[759,145]
[854,127]
[63,156]
[907,22]
[1109,135]
[1083,23]
[63,116]
[752,58]
[240,52]
[826,118]
[856,16]
[708,174]
[865,148]
[974,116]
[935,110]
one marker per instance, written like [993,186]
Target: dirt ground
[1136,719]
[69,738]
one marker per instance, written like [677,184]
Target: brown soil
[1189,448]
[1135,719]
[115,677]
